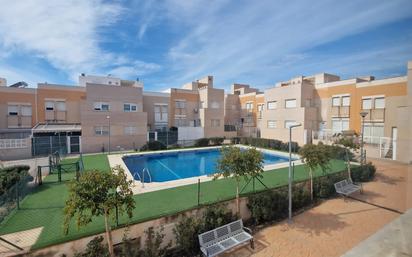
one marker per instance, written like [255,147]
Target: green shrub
[269,205]
[153,146]
[186,231]
[216,216]
[9,176]
[235,140]
[269,143]
[273,204]
[188,228]
[339,152]
[152,247]
[363,173]
[94,248]
[201,142]
[300,197]
[216,140]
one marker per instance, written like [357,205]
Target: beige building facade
[85,117]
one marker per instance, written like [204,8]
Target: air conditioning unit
[195,110]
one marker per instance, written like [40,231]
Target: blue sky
[168,43]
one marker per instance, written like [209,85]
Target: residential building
[108,113]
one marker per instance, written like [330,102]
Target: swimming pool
[169,166]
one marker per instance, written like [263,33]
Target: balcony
[375,115]
[18,121]
[340,111]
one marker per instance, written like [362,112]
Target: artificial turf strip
[44,206]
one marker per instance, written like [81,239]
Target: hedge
[11,175]
[272,205]
[266,143]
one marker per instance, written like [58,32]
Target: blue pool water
[183,164]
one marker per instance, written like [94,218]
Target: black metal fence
[11,198]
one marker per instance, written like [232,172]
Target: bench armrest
[204,250]
[248,230]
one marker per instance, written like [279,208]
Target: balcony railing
[18,121]
[375,115]
[55,116]
[340,111]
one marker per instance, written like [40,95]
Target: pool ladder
[141,178]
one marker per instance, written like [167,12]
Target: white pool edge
[138,187]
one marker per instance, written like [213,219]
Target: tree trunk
[108,234]
[311,184]
[237,198]
[348,163]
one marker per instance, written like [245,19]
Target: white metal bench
[347,187]
[223,238]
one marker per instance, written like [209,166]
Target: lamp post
[363,114]
[108,118]
[290,169]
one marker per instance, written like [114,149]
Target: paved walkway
[336,226]
[395,239]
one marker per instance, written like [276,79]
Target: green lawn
[43,208]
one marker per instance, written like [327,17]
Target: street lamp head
[107,117]
[363,114]
[294,125]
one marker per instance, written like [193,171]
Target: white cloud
[67,34]
[244,39]
[138,68]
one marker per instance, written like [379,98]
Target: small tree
[237,163]
[315,156]
[98,193]
[349,144]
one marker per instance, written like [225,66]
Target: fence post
[17,195]
[50,164]
[59,172]
[39,175]
[77,171]
[117,213]
[198,192]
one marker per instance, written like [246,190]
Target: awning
[50,128]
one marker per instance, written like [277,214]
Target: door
[394,144]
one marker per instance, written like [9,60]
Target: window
[289,123]
[346,101]
[215,123]
[180,104]
[366,104]
[336,101]
[13,110]
[373,132]
[260,107]
[271,124]
[249,106]
[99,106]
[160,112]
[129,107]
[130,130]
[339,125]
[290,103]
[49,106]
[26,110]
[180,122]
[272,105]
[214,105]
[380,103]
[60,106]
[101,130]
